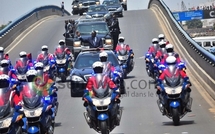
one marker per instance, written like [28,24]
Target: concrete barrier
[201,60]
[9,33]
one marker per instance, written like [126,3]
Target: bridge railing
[205,59]
[15,28]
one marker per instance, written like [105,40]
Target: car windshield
[97,9]
[86,61]
[111,3]
[100,28]
[87,0]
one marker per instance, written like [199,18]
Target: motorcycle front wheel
[175,116]
[104,127]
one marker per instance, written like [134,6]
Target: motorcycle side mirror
[131,50]
[35,62]
[53,61]
[114,51]
[13,70]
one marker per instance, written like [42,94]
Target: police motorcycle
[37,110]
[125,59]
[151,63]
[62,61]
[103,111]
[116,77]
[10,117]
[175,98]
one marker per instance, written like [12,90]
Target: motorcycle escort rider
[154,47]
[24,60]
[92,82]
[110,70]
[62,46]
[45,56]
[172,65]
[5,68]
[121,44]
[162,37]
[98,69]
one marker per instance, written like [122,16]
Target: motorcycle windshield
[22,70]
[4,101]
[101,88]
[173,81]
[61,55]
[122,52]
[45,62]
[31,95]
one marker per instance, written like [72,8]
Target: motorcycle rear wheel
[175,116]
[104,127]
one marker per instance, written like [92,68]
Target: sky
[10,10]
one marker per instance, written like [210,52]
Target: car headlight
[80,5]
[98,3]
[124,0]
[34,113]
[74,6]
[88,17]
[6,123]
[63,61]
[77,44]
[108,41]
[77,78]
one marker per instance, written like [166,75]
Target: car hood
[98,35]
[93,13]
[114,6]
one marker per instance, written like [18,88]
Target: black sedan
[114,6]
[97,11]
[83,69]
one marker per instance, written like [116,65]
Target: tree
[194,24]
[3,26]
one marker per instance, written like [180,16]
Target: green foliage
[3,26]
[194,24]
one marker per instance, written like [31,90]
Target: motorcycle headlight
[21,77]
[77,44]
[77,78]
[34,113]
[80,5]
[123,57]
[108,41]
[63,61]
[74,6]
[88,17]
[124,0]
[6,123]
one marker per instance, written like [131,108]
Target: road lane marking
[19,38]
[203,93]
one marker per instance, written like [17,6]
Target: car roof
[95,50]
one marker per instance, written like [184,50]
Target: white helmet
[4,77]
[61,42]
[23,54]
[98,67]
[44,48]
[169,48]
[39,65]
[121,39]
[161,36]
[5,62]
[171,60]
[31,72]
[97,64]
[155,40]
[103,54]
[1,49]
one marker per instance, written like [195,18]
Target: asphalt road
[140,111]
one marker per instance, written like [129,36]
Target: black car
[97,11]
[85,27]
[83,5]
[114,6]
[83,69]
[75,7]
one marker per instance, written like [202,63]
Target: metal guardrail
[204,58]
[19,20]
